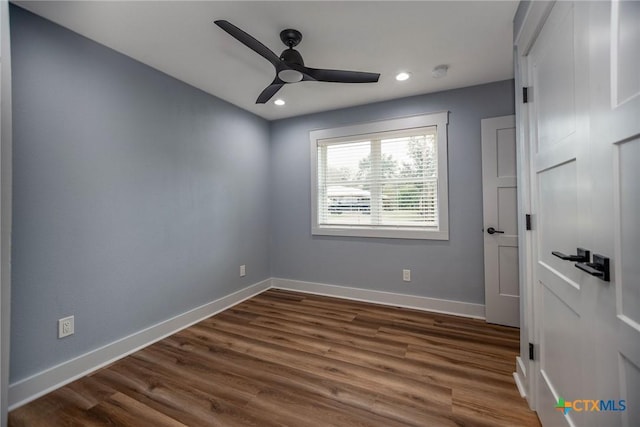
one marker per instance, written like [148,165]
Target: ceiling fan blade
[249,41]
[341,76]
[270,91]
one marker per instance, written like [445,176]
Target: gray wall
[441,269]
[136,196]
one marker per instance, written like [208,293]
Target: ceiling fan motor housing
[292,56]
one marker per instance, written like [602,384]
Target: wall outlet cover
[406,275]
[66,327]
[243,270]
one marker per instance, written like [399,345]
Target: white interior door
[502,305]
[615,207]
[561,205]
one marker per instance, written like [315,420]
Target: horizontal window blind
[384,180]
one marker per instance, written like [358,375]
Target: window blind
[385,180]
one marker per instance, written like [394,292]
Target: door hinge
[527,221]
[531,352]
[525,95]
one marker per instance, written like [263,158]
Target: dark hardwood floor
[291,359]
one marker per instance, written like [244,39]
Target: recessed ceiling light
[402,76]
[440,71]
[279,102]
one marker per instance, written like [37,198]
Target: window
[382,179]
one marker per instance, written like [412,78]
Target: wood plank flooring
[290,359]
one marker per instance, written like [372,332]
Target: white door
[502,305]
[561,206]
[615,207]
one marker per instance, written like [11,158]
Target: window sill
[385,233]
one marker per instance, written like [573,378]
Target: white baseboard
[386,298]
[520,377]
[46,381]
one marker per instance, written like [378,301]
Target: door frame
[5,207]
[526,369]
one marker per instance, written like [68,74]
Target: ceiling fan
[289,65]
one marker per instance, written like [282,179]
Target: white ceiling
[179,38]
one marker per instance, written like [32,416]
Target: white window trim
[439,119]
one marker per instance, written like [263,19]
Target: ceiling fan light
[279,102]
[402,76]
[290,76]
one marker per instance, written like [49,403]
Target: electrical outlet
[243,271]
[65,327]
[406,275]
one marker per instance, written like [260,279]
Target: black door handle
[599,267]
[492,230]
[583,255]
